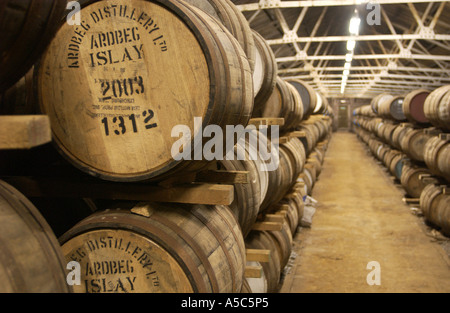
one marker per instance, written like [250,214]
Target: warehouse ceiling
[407,48]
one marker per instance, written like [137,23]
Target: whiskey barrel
[443,217]
[234,21]
[280,180]
[283,242]
[266,71]
[413,106]
[413,144]
[396,165]
[312,159]
[129,96]
[31,260]
[279,102]
[310,172]
[307,94]
[26,29]
[247,197]
[293,116]
[437,157]
[398,134]
[392,109]
[411,181]
[297,156]
[321,105]
[158,248]
[378,100]
[386,131]
[437,107]
[272,271]
[435,205]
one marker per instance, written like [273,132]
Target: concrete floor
[361,218]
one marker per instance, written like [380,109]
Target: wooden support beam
[24,131]
[254,271]
[274,218]
[44,187]
[208,176]
[271,226]
[223,177]
[256,255]
[444,137]
[298,134]
[413,201]
[267,121]
[282,213]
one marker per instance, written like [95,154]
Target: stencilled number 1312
[119,125]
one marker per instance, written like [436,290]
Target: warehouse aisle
[361,218]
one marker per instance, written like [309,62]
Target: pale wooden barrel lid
[118,260]
[113,106]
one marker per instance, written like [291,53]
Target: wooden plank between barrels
[274,218]
[282,213]
[209,194]
[257,255]
[444,137]
[298,134]
[274,226]
[208,176]
[266,121]
[413,201]
[254,271]
[24,132]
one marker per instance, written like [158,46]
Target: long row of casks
[116,88]
[416,153]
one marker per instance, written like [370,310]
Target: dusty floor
[361,218]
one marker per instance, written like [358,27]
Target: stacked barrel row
[408,134]
[301,161]
[129,99]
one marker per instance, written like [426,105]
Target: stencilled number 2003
[119,125]
[118,88]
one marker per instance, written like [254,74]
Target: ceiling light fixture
[351,45]
[354,25]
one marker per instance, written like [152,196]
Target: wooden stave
[444,112]
[39,23]
[270,70]
[283,242]
[27,237]
[433,153]
[247,197]
[410,180]
[297,156]
[431,106]
[443,161]
[227,14]
[396,165]
[171,227]
[246,287]
[240,116]
[309,100]
[234,114]
[397,135]
[376,102]
[414,143]
[429,201]
[294,116]
[443,215]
